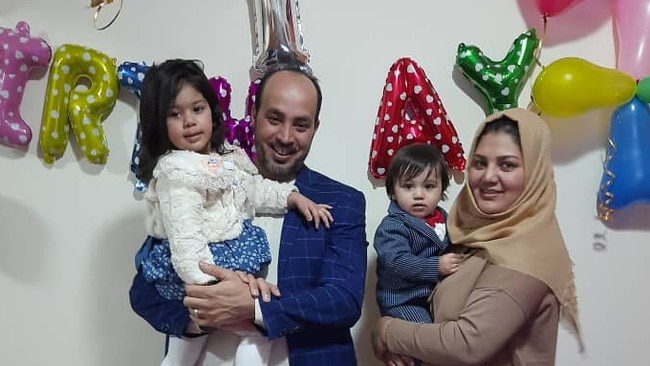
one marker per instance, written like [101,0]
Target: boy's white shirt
[441,230]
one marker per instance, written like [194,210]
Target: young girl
[202,196]
[410,240]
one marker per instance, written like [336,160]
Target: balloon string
[538,52]
[99,4]
[541,42]
[605,213]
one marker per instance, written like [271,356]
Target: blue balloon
[131,75]
[626,171]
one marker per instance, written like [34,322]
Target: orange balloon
[572,86]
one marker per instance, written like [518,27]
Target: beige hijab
[525,238]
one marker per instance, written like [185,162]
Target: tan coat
[484,315]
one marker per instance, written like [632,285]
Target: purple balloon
[238,131]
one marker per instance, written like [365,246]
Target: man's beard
[272,170]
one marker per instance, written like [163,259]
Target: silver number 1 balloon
[276,35]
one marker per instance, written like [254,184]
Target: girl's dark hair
[160,86]
[502,124]
[411,161]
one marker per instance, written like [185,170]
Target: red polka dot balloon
[411,111]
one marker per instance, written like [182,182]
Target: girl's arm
[273,197]
[310,210]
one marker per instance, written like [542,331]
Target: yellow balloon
[571,86]
[66,105]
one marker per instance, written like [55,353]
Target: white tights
[253,349]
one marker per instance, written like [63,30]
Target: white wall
[69,231]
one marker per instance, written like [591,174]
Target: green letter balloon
[499,81]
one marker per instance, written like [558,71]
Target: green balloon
[499,81]
[643,89]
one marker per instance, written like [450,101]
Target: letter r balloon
[68,104]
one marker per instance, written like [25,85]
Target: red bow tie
[436,218]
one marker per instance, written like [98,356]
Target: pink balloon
[631,24]
[551,8]
[19,53]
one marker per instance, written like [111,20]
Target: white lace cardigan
[194,199]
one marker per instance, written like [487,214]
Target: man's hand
[246,326]
[227,302]
[259,286]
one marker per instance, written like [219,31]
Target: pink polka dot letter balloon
[411,111]
[19,53]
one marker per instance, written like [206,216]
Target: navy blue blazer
[321,274]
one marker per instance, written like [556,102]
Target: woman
[503,306]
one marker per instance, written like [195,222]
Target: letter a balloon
[411,111]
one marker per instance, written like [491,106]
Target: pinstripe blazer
[321,274]
[407,258]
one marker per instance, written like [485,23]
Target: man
[320,272]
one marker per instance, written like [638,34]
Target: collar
[436,218]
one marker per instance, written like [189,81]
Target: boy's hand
[449,263]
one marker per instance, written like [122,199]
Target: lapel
[415,223]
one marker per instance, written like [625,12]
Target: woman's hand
[393,359]
[310,210]
[380,348]
[378,337]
